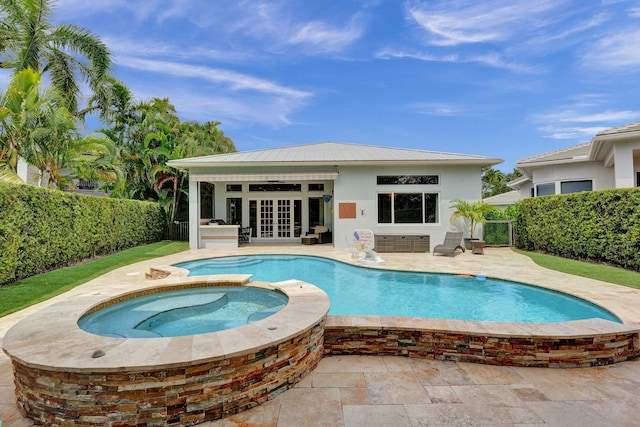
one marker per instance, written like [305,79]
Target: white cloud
[634,12]
[620,51]
[453,23]
[494,59]
[581,122]
[324,38]
[578,133]
[572,116]
[155,49]
[233,80]
[438,109]
[234,111]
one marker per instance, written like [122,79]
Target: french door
[276,218]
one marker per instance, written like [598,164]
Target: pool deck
[383,390]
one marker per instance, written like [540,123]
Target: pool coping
[51,338]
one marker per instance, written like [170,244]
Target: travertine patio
[371,390]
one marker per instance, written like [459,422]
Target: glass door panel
[266,218]
[284,218]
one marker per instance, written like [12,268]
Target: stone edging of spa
[66,376]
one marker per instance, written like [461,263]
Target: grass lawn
[38,288]
[605,273]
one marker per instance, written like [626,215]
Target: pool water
[355,290]
[184,312]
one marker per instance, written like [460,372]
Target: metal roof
[508,198]
[578,152]
[332,153]
[631,127]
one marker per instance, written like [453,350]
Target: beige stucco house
[610,160]
[281,193]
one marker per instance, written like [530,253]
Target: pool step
[259,315]
[185,310]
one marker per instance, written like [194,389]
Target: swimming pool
[355,290]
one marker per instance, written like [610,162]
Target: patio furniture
[308,240]
[452,242]
[244,235]
[320,233]
[478,247]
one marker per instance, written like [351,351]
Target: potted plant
[472,214]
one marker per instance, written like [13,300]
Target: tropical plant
[22,109]
[496,182]
[493,183]
[472,213]
[66,53]
[147,135]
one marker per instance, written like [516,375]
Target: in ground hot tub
[186,311]
[65,375]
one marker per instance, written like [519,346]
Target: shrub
[602,226]
[42,229]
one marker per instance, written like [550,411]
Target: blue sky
[501,78]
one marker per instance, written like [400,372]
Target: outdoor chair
[452,242]
[244,235]
[320,234]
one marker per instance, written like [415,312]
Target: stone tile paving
[394,391]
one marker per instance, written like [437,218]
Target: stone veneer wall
[494,350]
[178,396]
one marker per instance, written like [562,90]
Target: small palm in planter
[472,213]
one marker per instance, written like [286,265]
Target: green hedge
[43,229]
[601,226]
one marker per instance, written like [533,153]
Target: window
[234,188]
[316,187]
[276,186]
[407,179]
[637,179]
[567,187]
[206,200]
[546,189]
[407,208]
[316,211]
[234,211]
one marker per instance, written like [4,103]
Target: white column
[623,167]
[194,214]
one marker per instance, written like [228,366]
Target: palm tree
[28,40]
[21,112]
[473,213]
[493,183]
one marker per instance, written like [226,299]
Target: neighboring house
[610,160]
[504,200]
[282,192]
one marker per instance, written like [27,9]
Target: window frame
[551,185]
[411,179]
[576,181]
[386,207]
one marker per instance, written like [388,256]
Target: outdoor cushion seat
[452,242]
[321,233]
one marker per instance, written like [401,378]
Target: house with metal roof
[282,193]
[610,160]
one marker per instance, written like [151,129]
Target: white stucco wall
[358,185]
[625,167]
[602,178]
